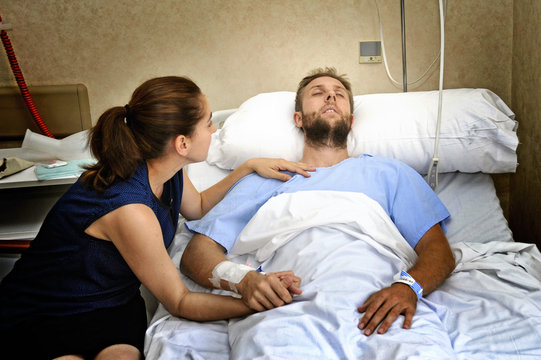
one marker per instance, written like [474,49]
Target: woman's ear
[181,144]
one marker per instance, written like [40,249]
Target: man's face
[326,118]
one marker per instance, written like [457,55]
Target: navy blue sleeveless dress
[67,272]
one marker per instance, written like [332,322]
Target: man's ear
[297,117]
[182,144]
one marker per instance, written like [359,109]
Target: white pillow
[478,130]
[262,126]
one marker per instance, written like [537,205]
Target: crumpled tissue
[73,147]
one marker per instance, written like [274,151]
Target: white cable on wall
[432,176]
[385,55]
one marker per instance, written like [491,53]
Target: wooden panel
[525,214]
[65,110]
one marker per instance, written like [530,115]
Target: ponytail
[112,144]
[124,136]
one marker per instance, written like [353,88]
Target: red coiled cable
[22,84]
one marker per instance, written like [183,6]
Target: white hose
[432,176]
[385,55]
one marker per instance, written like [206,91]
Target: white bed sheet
[489,306]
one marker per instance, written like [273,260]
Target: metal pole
[404,67]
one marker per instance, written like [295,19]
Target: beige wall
[526,184]
[235,49]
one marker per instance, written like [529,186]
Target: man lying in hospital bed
[339,273]
[388,188]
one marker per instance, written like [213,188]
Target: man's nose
[331,96]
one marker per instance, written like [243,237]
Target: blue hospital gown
[401,191]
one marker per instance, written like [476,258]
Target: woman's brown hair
[124,136]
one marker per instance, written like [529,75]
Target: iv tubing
[22,84]
[432,175]
[385,56]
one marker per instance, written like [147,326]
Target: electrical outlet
[370,52]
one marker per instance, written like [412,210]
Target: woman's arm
[137,235]
[199,306]
[195,205]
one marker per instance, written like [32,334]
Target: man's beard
[319,133]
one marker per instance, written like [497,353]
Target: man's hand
[384,306]
[267,291]
[434,263]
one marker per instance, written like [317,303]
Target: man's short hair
[317,73]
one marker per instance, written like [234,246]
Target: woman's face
[200,139]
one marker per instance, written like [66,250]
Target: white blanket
[345,247]
[284,217]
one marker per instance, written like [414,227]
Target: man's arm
[259,291]
[434,264]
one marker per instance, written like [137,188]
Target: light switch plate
[370,52]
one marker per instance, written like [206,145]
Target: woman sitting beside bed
[75,291]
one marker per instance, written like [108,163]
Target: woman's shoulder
[135,189]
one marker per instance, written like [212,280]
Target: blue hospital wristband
[405,278]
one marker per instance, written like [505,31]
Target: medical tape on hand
[230,272]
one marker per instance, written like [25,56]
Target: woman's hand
[290,281]
[272,168]
[261,291]
[195,204]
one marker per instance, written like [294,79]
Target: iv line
[432,176]
[385,56]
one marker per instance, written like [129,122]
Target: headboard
[64,108]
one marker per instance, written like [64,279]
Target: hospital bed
[489,307]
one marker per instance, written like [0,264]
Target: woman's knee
[119,352]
